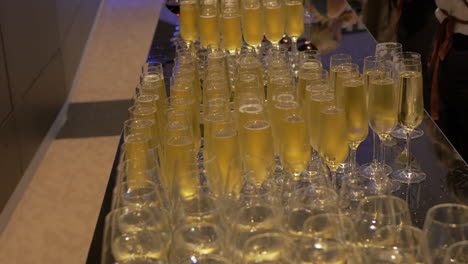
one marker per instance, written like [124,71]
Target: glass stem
[352,158]
[382,154]
[375,150]
[333,174]
[408,152]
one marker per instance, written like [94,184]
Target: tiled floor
[55,218]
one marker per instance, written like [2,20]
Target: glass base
[343,168]
[385,187]
[369,169]
[409,176]
[401,134]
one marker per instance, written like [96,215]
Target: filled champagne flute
[332,144]
[310,72]
[292,136]
[252,22]
[382,105]
[189,20]
[208,22]
[372,67]
[294,23]
[357,119]
[274,20]
[336,60]
[410,113]
[400,132]
[231,24]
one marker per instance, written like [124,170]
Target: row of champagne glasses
[230,22]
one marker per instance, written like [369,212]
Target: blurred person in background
[449,91]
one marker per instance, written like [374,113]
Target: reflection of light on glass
[193,229]
[194,259]
[318,245]
[177,28]
[373,227]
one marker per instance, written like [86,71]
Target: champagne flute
[231,24]
[382,106]
[294,25]
[400,132]
[335,61]
[445,224]
[332,144]
[252,22]
[410,113]
[274,21]
[372,66]
[189,20]
[310,72]
[357,119]
[208,22]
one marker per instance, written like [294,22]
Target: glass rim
[399,202]
[341,56]
[396,44]
[432,210]
[421,235]
[138,122]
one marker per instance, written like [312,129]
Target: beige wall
[41,44]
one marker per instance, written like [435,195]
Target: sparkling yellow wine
[369,74]
[232,34]
[248,112]
[257,142]
[355,106]
[278,109]
[274,22]
[382,104]
[252,23]
[333,145]
[295,150]
[154,84]
[343,73]
[410,107]
[137,152]
[306,79]
[193,110]
[294,18]
[209,30]
[189,20]
[178,161]
[225,148]
[209,121]
[315,102]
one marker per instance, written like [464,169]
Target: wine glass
[271,247]
[310,73]
[231,26]
[189,20]
[457,253]
[378,211]
[382,107]
[410,242]
[208,23]
[131,233]
[410,113]
[331,226]
[194,239]
[274,21]
[252,22]
[335,61]
[445,225]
